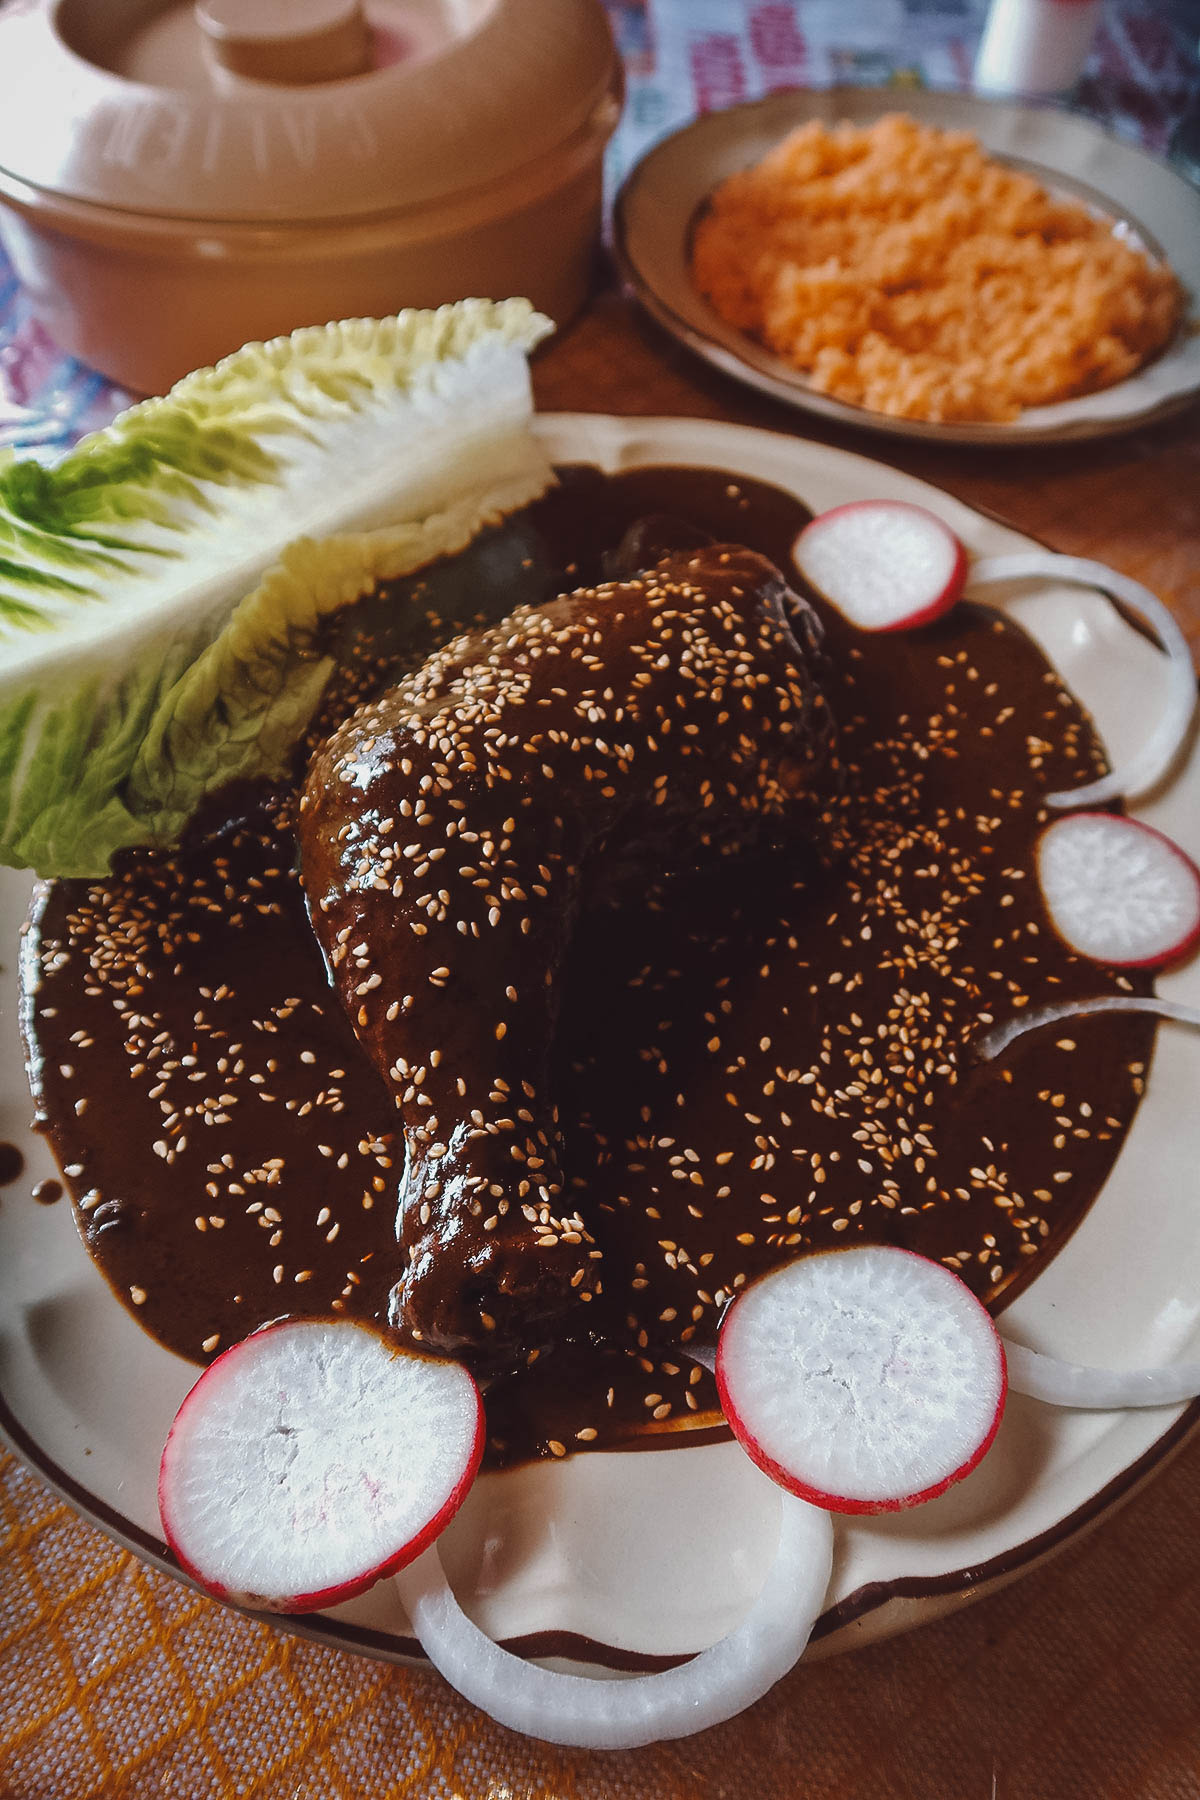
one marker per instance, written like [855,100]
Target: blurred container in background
[176,180]
[1035,46]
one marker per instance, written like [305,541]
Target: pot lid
[289,110]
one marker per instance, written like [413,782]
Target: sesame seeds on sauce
[211,1095]
[450,834]
[756,1054]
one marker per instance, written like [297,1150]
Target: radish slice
[1160,749]
[621,1715]
[312,1458]
[864,1380]
[1119,891]
[884,564]
[1108,1390]
[995,1042]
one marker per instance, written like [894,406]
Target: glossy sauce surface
[459,833]
[750,1062]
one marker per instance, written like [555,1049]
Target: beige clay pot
[163,206]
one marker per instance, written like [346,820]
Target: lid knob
[292,42]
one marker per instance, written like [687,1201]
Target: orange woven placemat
[1081,1682]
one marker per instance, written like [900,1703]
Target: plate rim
[956,1586]
[962,1586]
[790,390]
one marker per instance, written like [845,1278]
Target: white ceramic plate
[1067,153]
[633,1556]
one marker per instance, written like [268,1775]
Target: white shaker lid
[251,110]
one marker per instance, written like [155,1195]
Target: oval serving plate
[1150,203]
[629,1560]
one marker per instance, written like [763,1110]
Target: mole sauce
[777,1059]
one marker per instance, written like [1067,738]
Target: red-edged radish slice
[621,1715]
[1149,763]
[311,1459]
[1119,891]
[885,565]
[995,1042]
[864,1380]
[1108,1390]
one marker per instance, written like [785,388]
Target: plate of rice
[967,269]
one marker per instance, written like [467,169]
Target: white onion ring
[994,1043]
[1149,763]
[621,1715]
[1107,1390]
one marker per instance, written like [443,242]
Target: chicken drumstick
[447,834]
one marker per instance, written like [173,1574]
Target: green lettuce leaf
[163,587]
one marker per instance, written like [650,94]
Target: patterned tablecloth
[1081,1682]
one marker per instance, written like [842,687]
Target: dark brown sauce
[12,1164]
[47,1192]
[780,1061]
